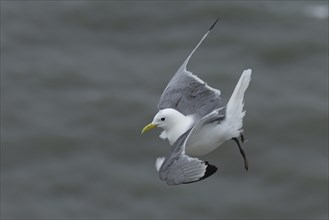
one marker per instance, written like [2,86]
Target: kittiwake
[195,123]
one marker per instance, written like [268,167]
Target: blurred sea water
[80,79]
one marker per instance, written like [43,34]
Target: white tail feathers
[234,108]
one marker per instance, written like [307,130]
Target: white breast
[207,139]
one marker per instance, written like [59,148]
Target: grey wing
[189,94]
[179,168]
[216,116]
[186,170]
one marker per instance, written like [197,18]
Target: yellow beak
[148,127]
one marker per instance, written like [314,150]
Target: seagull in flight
[195,123]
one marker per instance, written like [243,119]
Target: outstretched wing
[189,94]
[179,168]
[187,170]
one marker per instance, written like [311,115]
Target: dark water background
[79,79]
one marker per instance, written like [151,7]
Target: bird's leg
[242,138]
[242,152]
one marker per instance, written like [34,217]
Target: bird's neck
[183,124]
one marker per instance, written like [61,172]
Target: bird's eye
[162,119]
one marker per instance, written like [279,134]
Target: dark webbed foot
[242,151]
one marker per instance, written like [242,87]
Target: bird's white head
[172,122]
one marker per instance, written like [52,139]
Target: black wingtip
[212,26]
[210,170]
